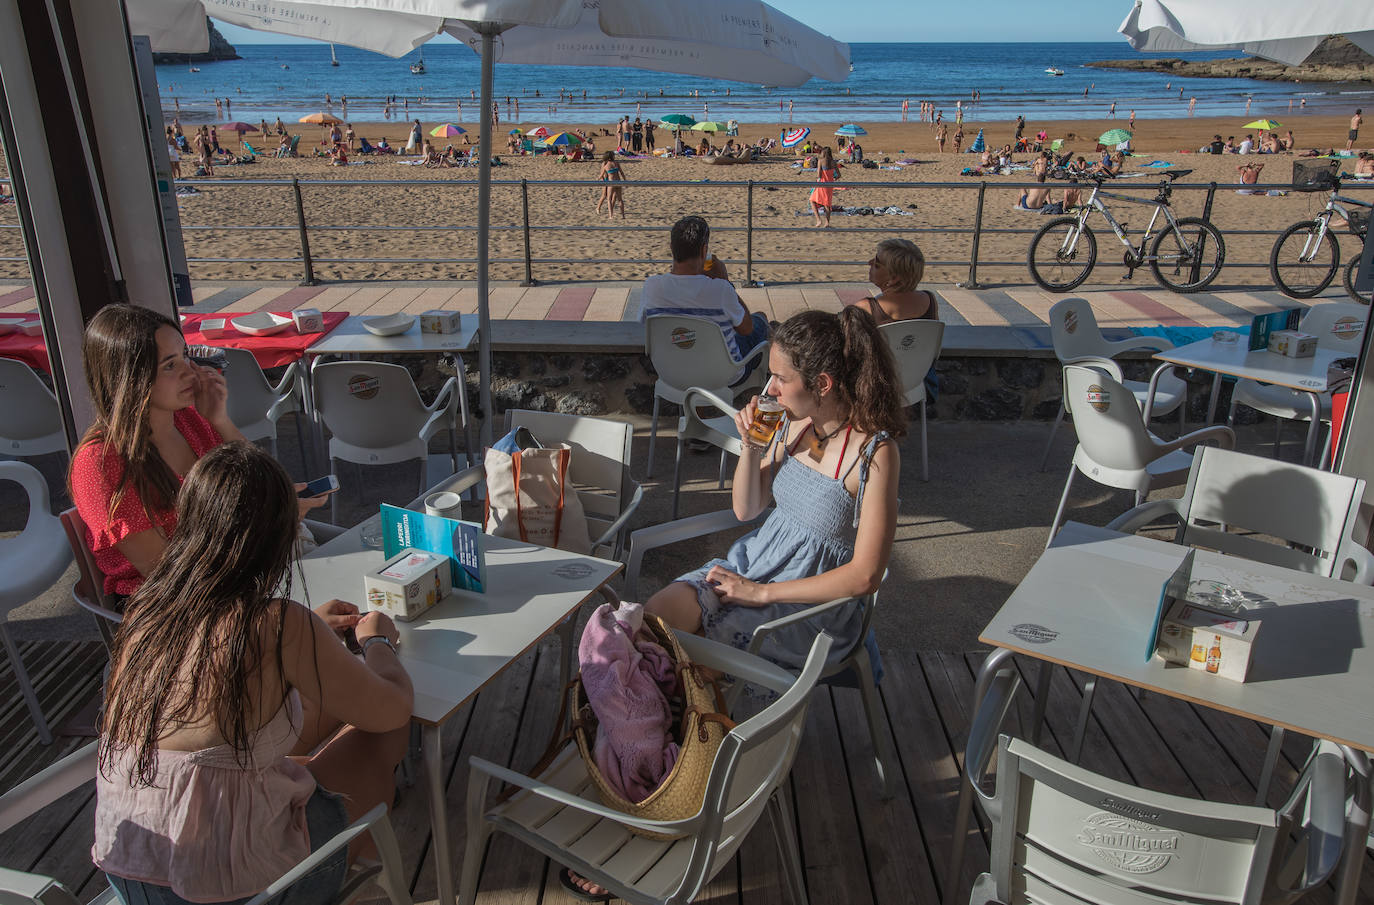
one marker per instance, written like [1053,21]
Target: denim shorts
[325,818]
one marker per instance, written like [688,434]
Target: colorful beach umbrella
[447,130]
[1113,137]
[239,127]
[562,138]
[978,146]
[515,132]
[850,129]
[678,121]
[710,127]
[538,132]
[320,118]
[1268,125]
[793,137]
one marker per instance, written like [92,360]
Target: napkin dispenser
[308,320]
[1216,643]
[216,328]
[408,585]
[436,321]
[1293,343]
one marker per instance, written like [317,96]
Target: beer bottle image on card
[1214,655]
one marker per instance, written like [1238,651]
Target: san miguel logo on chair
[1070,321]
[908,341]
[683,338]
[1099,398]
[1347,327]
[363,386]
[1129,845]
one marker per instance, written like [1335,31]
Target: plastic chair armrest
[287,384]
[655,536]
[320,855]
[689,403]
[1225,437]
[91,606]
[761,632]
[456,483]
[1133,520]
[1096,361]
[744,666]
[985,732]
[608,536]
[758,352]
[567,799]
[1320,840]
[44,788]
[1155,343]
[444,406]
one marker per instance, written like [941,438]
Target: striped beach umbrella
[793,137]
[851,130]
[562,138]
[539,132]
[447,130]
[978,146]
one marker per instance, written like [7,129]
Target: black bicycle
[1306,256]
[1186,255]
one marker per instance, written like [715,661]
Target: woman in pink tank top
[198,798]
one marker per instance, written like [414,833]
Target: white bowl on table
[261,323]
[389,324]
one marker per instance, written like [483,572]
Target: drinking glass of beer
[767,418]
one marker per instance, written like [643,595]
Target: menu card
[1265,324]
[462,542]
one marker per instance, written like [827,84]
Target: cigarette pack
[1292,343]
[308,320]
[216,327]
[436,321]
[408,585]
[1213,642]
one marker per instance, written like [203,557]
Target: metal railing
[977,230]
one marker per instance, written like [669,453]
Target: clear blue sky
[889,20]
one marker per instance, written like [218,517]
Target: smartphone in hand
[327,484]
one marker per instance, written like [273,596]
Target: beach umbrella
[1113,137]
[562,138]
[239,127]
[709,127]
[678,121]
[978,146]
[1274,29]
[447,130]
[793,137]
[1268,125]
[515,132]
[320,119]
[851,130]
[538,132]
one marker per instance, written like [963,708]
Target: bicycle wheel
[1348,280]
[1299,266]
[1185,244]
[1062,254]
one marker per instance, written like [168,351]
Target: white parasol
[1274,29]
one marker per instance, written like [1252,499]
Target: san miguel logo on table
[1126,844]
[683,338]
[363,386]
[1099,398]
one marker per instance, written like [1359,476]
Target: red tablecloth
[1339,401]
[270,351]
[28,349]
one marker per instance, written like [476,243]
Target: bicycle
[1306,255]
[1187,254]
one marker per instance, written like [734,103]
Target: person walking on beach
[612,174]
[827,171]
[637,135]
[1111,111]
[649,136]
[280,126]
[941,133]
[1020,128]
[413,143]
[1355,122]
[1130,123]
[1192,103]
[958,138]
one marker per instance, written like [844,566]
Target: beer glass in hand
[764,422]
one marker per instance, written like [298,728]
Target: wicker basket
[1315,175]
[702,729]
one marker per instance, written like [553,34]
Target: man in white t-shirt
[1247,146]
[690,289]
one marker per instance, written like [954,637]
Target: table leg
[990,667]
[1310,450]
[1212,402]
[565,649]
[1356,829]
[438,815]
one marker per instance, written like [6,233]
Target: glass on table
[1218,595]
[370,532]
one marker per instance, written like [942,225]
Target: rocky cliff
[220,49]
[1334,60]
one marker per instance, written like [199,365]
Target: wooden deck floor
[856,847]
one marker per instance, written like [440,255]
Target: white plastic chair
[31,563]
[690,352]
[851,668]
[1114,448]
[718,430]
[558,813]
[1078,340]
[32,425]
[600,470]
[1064,834]
[79,767]
[915,345]
[376,417]
[1337,325]
[255,405]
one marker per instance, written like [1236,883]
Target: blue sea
[290,80]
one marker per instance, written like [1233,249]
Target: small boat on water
[418,67]
[333,59]
[1054,71]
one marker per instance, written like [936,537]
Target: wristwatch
[378,639]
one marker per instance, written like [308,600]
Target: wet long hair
[119,352]
[190,646]
[849,348]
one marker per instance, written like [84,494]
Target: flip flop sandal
[565,879]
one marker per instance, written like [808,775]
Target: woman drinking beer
[831,472]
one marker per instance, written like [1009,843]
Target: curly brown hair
[849,348]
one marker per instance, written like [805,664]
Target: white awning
[1279,30]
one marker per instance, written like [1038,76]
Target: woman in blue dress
[831,474]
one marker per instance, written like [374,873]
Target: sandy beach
[441,207]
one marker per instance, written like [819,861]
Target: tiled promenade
[1136,304]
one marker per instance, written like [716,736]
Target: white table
[353,339]
[459,646]
[1234,359]
[1089,604]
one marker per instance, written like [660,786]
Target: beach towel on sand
[627,677]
